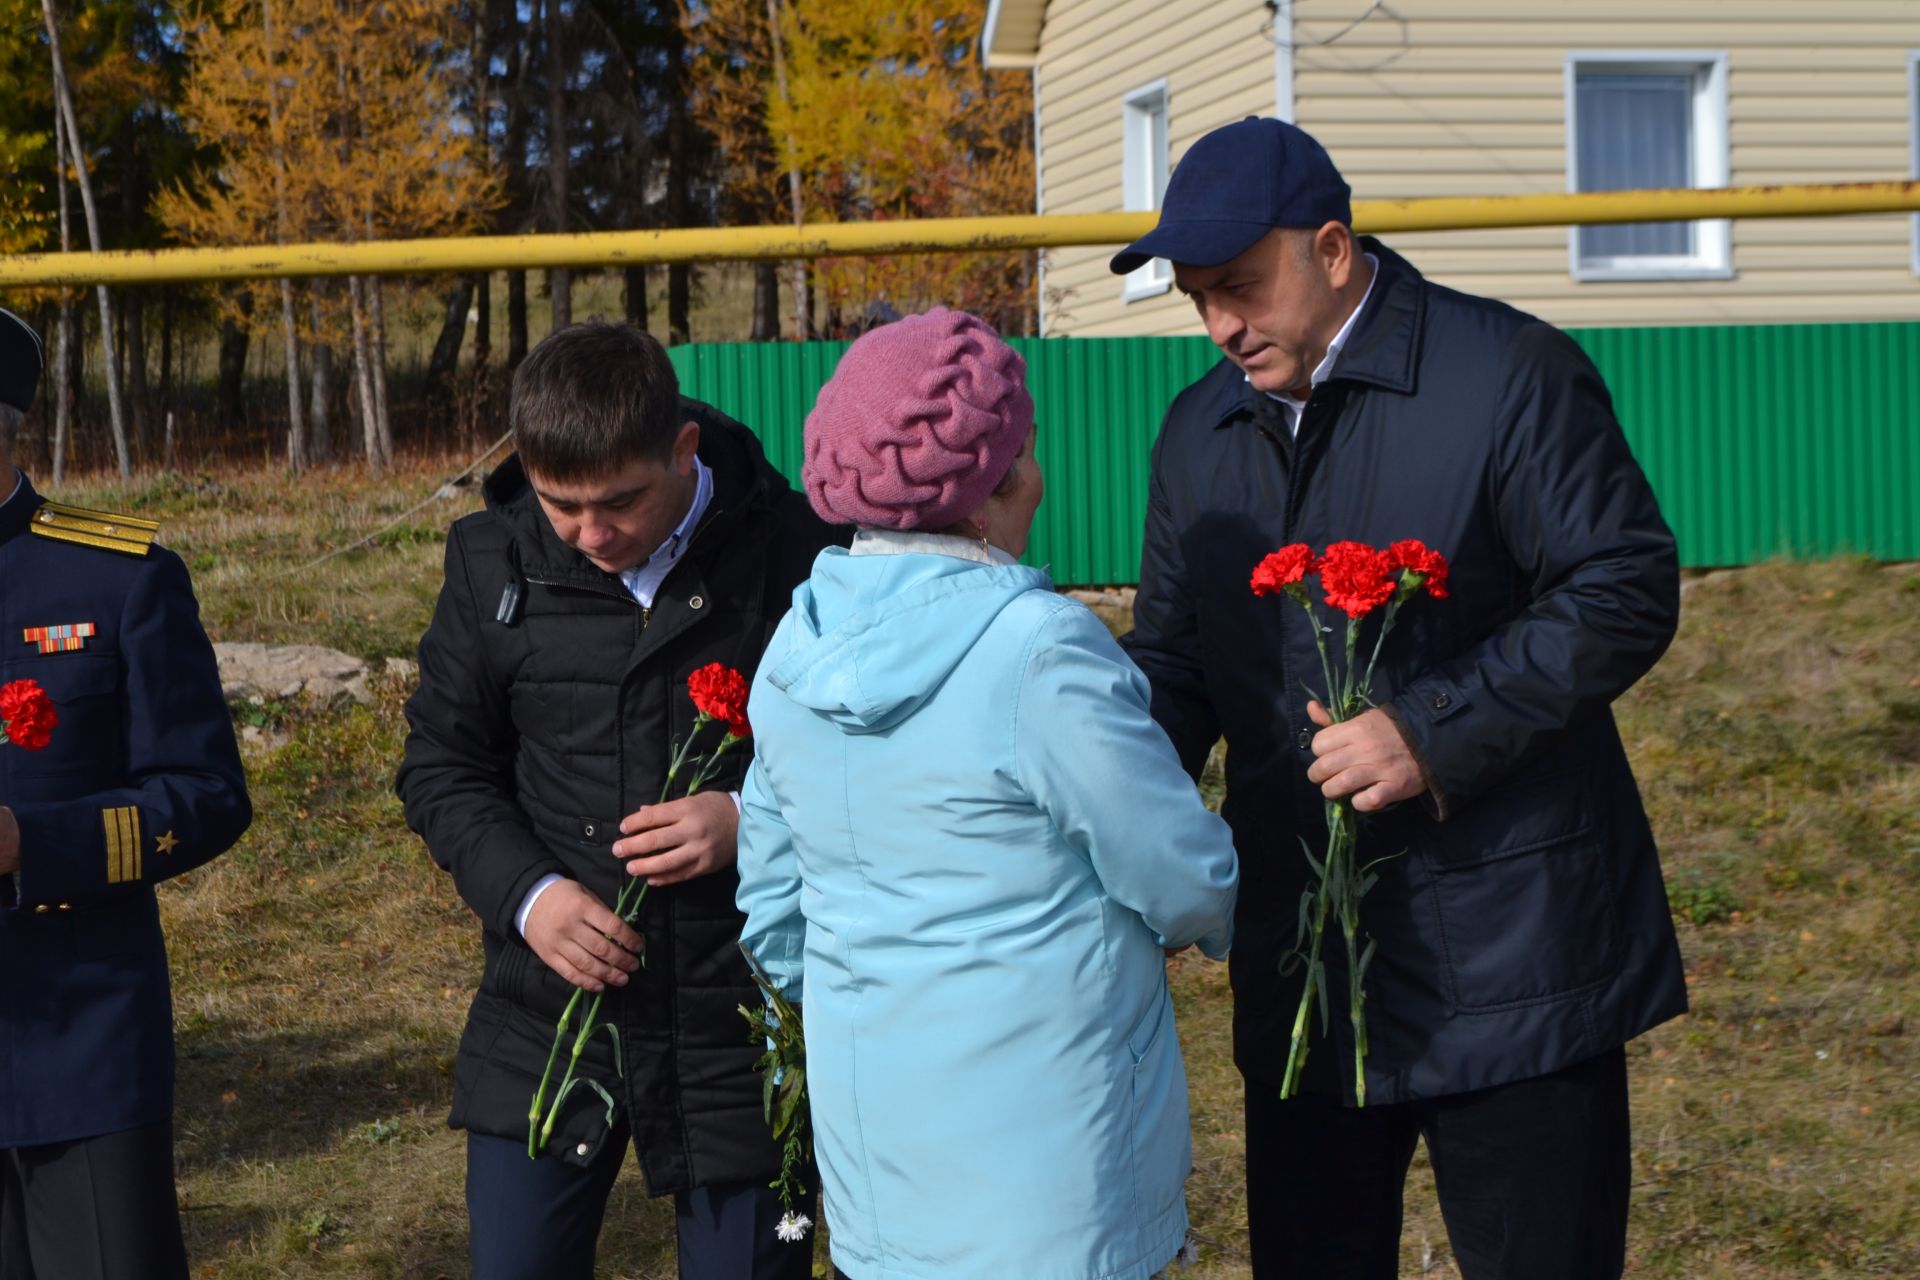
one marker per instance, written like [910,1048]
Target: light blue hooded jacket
[963,845]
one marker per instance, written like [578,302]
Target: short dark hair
[10,420]
[592,398]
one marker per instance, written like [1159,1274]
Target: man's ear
[685,445]
[1334,248]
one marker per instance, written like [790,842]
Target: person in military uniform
[140,781]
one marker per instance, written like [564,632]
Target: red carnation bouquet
[719,696]
[1358,580]
[27,717]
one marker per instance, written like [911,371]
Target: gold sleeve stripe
[110,818]
[123,844]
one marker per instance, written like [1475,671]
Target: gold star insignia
[164,843]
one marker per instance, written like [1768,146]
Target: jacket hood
[872,637]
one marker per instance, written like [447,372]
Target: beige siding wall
[1467,97]
[1218,67]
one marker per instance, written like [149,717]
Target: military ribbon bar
[64,638]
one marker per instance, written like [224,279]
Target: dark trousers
[93,1209]
[540,1219]
[1532,1178]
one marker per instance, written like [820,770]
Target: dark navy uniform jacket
[141,781]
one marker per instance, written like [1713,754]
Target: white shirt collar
[1324,370]
[900,542]
[14,492]
[644,579]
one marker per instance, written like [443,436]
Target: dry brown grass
[323,967]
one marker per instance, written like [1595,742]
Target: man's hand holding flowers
[681,839]
[580,938]
[1365,759]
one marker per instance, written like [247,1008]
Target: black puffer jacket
[1520,915]
[535,729]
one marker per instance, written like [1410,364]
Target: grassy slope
[323,967]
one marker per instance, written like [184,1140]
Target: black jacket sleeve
[456,777]
[1165,640]
[1597,563]
[184,797]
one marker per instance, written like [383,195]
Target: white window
[1913,123]
[1648,120]
[1143,177]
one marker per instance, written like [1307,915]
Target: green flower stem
[534,1138]
[1297,1046]
[712,765]
[585,1032]
[1342,881]
[542,1116]
[1320,643]
[1343,836]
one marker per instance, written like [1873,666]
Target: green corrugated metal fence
[1762,440]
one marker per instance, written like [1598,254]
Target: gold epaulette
[104,529]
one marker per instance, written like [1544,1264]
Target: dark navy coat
[1521,920]
[140,782]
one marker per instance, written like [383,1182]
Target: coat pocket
[87,741]
[1522,895]
[1147,1033]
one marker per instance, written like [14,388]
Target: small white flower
[793,1227]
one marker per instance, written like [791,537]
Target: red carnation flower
[1356,578]
[1415,556]
[1282,569]
[719,691]
[27,716]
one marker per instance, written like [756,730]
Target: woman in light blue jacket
[964,845]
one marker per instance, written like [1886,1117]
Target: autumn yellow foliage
[887,112]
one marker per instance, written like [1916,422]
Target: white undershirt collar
[644,579]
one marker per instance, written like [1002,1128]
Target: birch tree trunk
[166,371]
[289,327]
[372,287]
[133,319]
[322,379]
[63,338]
[559,279]
[363,377]
[802,327]
[65,115]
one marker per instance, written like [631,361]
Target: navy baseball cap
[1233,186]
[20,361]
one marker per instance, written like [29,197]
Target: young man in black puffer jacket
[633,538]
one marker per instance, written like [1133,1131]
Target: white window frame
[1137,110]
[1712,258]
[1913,153]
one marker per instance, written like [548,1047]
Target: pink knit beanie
[918,425]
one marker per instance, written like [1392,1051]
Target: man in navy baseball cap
[1236,184]
[1258,225]
[1522,937]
